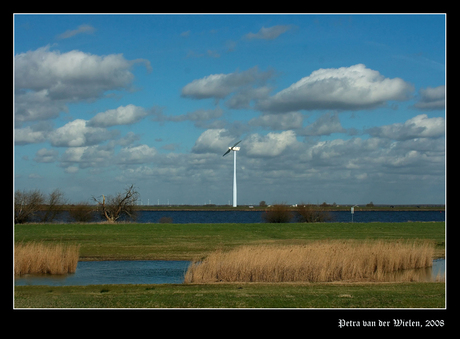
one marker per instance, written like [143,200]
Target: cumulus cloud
[46,155]
[36,133]
[136,154]
[269,33]
[50,79]
[27,135]
[287,121]
[36,106]
[218,86]
[242,99]
[123,115]
[270,145]
[432,98]
[213,141]
[417,127]
[77,134]
[325,125]
[345,88]
[85,157]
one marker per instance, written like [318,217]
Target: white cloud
[77,134]
[325,125]
[218,86]
[84,157]
[346,88]
[46,155]
[27,135]
[213,141]
[136,154]
[51,79]
[243,97]
[30,106]
[269,33]
[287,121]
[123,115]
[270,145]
[432,98]
[417,127]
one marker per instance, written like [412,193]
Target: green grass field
[192,241]
[250,295]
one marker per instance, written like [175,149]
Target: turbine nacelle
[233,148]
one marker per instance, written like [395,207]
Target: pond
[146,272]
[114,272]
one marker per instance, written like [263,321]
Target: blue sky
[335,108]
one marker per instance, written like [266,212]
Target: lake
[144,272]
[186,217]
[181,217]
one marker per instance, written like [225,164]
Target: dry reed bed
[40,258]
[321,261]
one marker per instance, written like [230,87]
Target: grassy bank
[320,261]
[132,241]
[241,295]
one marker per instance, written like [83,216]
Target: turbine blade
[237,143]
[226,153]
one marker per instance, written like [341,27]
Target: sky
[330,108]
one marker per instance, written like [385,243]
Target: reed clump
[321,261]
[40,258]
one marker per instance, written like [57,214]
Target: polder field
[131,241]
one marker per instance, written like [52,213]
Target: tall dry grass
[40,258]
[321,261]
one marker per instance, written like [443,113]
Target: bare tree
[54,206]
[26,205]
[121,204]
[35,206]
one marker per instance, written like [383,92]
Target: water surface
[114,272]
[149,272]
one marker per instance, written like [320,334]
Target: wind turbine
[234,149]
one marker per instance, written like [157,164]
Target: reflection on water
[170,272]
[114,272]
[434,273]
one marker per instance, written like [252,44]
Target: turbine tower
[234,149]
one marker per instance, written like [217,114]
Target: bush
[278,213]
[165,220]
[82,212]
[311,213]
